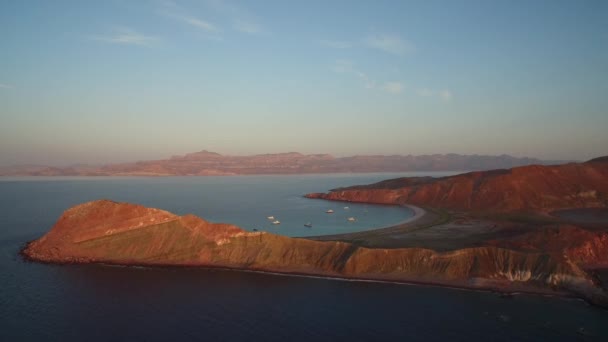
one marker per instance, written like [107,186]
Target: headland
[484,230]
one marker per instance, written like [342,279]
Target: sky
[111,81]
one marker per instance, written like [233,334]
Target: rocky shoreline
[480,230]
[126,234]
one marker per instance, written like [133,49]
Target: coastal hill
[451,242]
[206,163]
[120,233]
[526,188]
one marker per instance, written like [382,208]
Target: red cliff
[127,234]
[535,187]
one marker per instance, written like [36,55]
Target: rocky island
[506,230]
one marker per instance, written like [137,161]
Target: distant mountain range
[205,163]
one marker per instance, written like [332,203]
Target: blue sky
[108,81]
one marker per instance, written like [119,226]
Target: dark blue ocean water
[105,303]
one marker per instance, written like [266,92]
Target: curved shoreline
[398,253]
[486,285]
[418,214]
[423,217]
[455,285]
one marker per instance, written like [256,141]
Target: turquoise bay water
[40,302]
[246,201]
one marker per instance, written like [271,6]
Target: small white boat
[276,222]
[351,219]
[330,211]
[346,208]
[308,225]
[270,218]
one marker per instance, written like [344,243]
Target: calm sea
[104,303]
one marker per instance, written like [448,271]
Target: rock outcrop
[121,233]
[535,187]
[563,242]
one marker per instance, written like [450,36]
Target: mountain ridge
[206,163]
[531,187]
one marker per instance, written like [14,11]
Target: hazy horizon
[100,162]
[121,81]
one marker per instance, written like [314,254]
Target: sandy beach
[422,218]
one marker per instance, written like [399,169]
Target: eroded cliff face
[523,188]
[121,233]
[565,242]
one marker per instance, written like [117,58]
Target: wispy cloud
[389,43]
[237,17]
[396,87]
[127,36]
[242,20]
[343,65]
[393,87]
[335,44]
[174,11]
[247,26]
[444,95]
[424,92]
[348,67]
[6,86]
[199,23]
